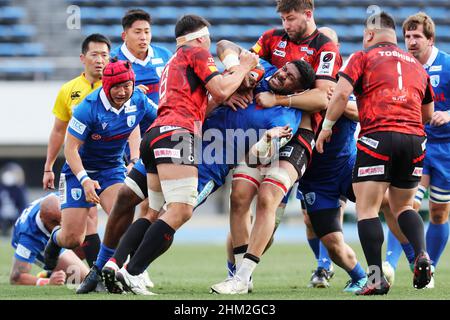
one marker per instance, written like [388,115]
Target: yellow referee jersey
[71,94]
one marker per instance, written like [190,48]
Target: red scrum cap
[115,72]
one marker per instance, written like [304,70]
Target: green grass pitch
[185,272]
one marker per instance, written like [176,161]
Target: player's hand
[324,136]
[278,133]
[48,181]
[143,88]
[266,99]
[248,59]
[330,92]
[58,278]
[89,187]
[238,100]
[129,167]
[440,118]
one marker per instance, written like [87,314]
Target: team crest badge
[76,193]
[282,44]
[435,79]
[310,198]
[131,120]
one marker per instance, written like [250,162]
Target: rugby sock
[239,255]
[131,240]
[437,237]
[411,225]
[371,237]
[409,252]
[91,247]
[393,250]
[104,255]
[156,240]
[314,244]
[357,273]
[324,259]
[247,267]
[231,267]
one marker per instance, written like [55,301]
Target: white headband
[193,35]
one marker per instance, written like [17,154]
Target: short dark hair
[95,37]
[308,76]
[286,6]
[381,20]
[189,23]
[133,15]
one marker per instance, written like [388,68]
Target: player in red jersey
[167,148]
[394,98]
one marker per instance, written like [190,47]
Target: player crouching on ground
[31,233]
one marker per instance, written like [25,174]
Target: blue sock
[324,259]
[231,268]
[409,252]
[393,250]
[314,244]
[54,237]
[104,255]
[437,237]
[357,273]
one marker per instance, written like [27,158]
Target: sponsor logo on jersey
[104,124]
[371,171]
[213,69]
[256,48]
[129,109]
[131,120]
[310,198]
[435,79]
[62,188]
[424,145]
[326,66]
[76,193]
[167,153]
[23,252]
[282,44]
[307,50]
[435,68]
[96,136]
[279,53]
[417,171]
[77,126]
[286,151]
[167,128]
[370,142]
[157,61]
[75,95]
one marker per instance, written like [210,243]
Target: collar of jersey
[40,224]
[92,85]
[108,105]
[432,58]
[133,59]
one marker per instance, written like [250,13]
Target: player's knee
[239,201]
[438,215]
[126,198]
[333,242]
[182,212]
[72,240]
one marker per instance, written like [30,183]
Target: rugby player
[419,33]
[94,56]
[392,110]
[94,170]
[31,233]
[167,148]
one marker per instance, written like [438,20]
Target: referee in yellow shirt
[94,56]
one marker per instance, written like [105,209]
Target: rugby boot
[90,283]
[422,271]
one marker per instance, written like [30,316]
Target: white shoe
[135,284]
[389,272]
[430,285]
[231,286]
[250,285]
[146,278]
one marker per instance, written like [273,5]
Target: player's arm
[311,101]
[73,159]
[20,275]
[226,48]
[134,141]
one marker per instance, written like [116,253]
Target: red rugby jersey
[317,49]
[390,86]
[182,92]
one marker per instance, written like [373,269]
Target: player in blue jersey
[94,170]
[31,233]
[419,32]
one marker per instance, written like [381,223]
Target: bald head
[50,212]
[330,33]
[379,27]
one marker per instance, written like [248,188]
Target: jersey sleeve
[353,68]
[61,109]
[80,121]
[151,109]
[261,47]
[204,66]
[25,249]
[327,63]
[429,93]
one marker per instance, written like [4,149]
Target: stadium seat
[11,14]
[22,49]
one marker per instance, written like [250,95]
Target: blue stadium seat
[438,12]
[17,32]
[26,67]
[8,14]
[21,49]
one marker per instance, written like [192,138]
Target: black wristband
[134,160]
[48,170]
